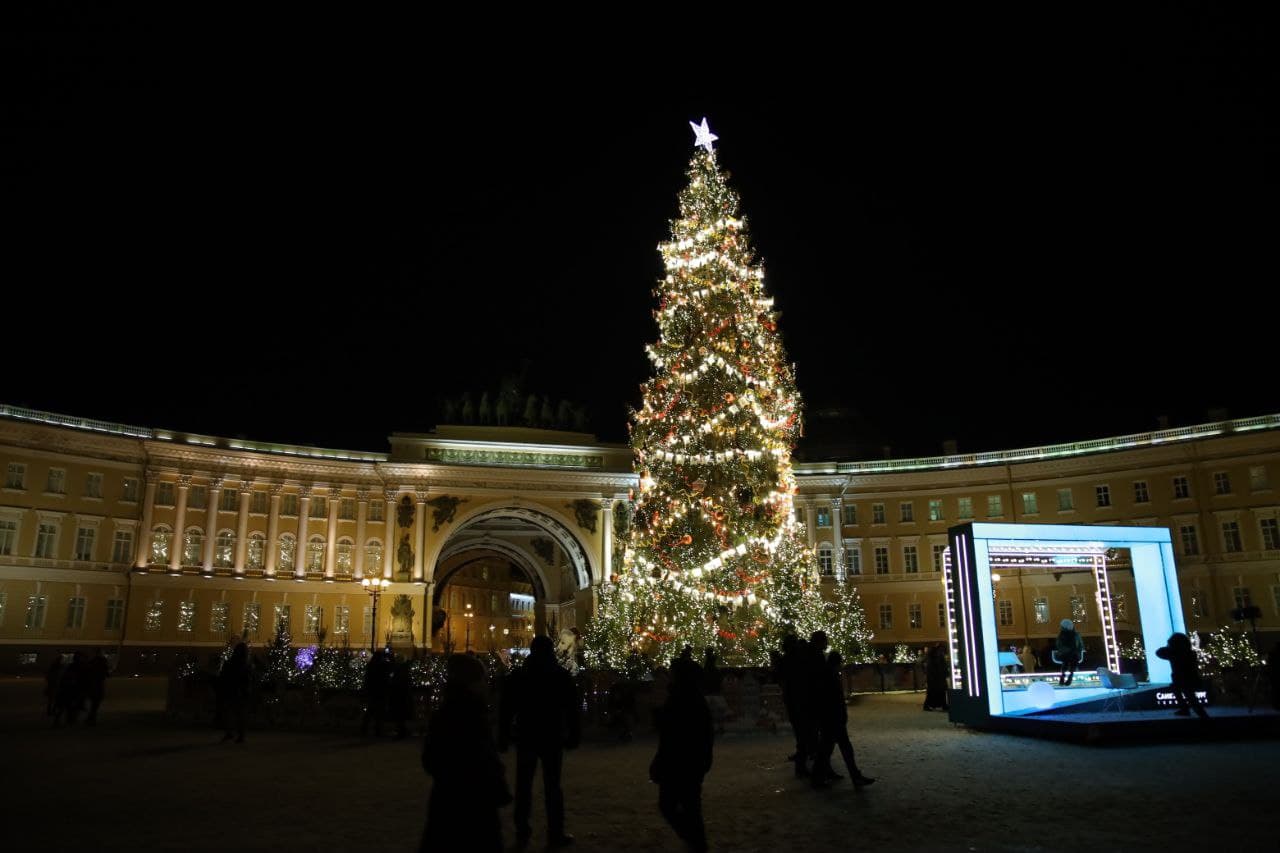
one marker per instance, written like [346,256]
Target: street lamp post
[375,587]
[491,627]
[469,614]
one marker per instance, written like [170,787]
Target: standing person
[52,676]
[96,673]
[71,691]
[795,696]
[469,783]
[377,684]
[1186,674]
[1027,659]
[539,712]
[684,754]
[400,694]
[1070,650]
[233,692]
[835,715]
[935,678]
[821,735]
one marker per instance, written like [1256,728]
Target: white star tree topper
[703,134]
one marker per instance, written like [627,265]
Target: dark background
[315,240]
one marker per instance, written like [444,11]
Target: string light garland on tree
[714,556]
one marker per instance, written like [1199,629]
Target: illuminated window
[995,506]
[942,615]
[1181,488]
[886,616]
[882,561]
[913,616]
[1006,611]
[938,556]
[315,554]
[57,481]
[341,620]
[877,513]
[186,616]
[1029,504]
[122,547]
[824,560]
[1078,612]
[8,536]
[311,619]
[965,508]
[252,618]
[910,560]
[935,510]
[154,616]
[373,557]
[1041,607]
[224,549]
[85,537]
[281,621]
[1231,537]
[342,556]
[1120,604]
[853,558]
[160,545]
[1103,494]
[1190,545]
[1140,493]
[35,611]
[46,540]
[219,618]
[1066,502]
[257,550]
[192,541]
[287,549]
[906,512]
[824,518]
[1221,483]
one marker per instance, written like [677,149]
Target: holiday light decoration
[715,557]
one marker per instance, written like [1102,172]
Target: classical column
[421,534]
[148,511]
[837,542]
[242,526]
[429,589]
[300,552]
[389,544]
[331,536]
[179,525]
[211,524]
[362,517]
[273,532]
[606,535]
[811,522]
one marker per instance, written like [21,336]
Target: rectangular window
[227,500]
[367,622]
[938,555]
[877,513]
[115,614]
[84,543]
[341,620]
[154,616]
[1270,528]
[186,616]
[280,625]
[1029,504]
[8,536]
[853,559]
[219,618]
[93,486]
[1103,494]
[824,561]
[57,482]
[1041,608]
[289,505]
[906,512]
[882,561]
[935,510]
[1221,483]
[1190,544]
[849,513]
[1258,481]
[1006,611]
[1140,493]
[1181,488]
[1197,605]
[824,517]
[129,490]
[46,540]
[16,476]
[965,508]
[1231,537]
[942,615]
[995,506]
[312,619]
[319,507]
[886,616]
[258,503]
[1079,614]
[1241,595]
[347,509]
[122,547]
[375,510]
[913,616]
[910,560]
[35,611]
[75,612]
[164,494]
[252,618]
[197,497]
[1066,502]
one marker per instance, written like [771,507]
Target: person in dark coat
[539,713]
[377,686]
[400,696]
[684,754]
[819,723]
[1273,673]
[469,783]
[791,675]
[835,720]
[1186,674]
[51,678]
[1070,650]
[71,691]
[233,692]
[96,672]
[935,678]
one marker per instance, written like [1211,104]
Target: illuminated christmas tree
[715,557]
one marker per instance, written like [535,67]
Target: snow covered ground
[141,782]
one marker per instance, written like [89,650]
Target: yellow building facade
[151,544]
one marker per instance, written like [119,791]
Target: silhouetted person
[377,685]
[1186,674]
[1070,649]
[684,753]
[791,668]
[835,720]
[71,691]
[818,689]
[539,713]
[400,696]
[95,680]
[233,692]
[469,783]
[935,678]
[52,676]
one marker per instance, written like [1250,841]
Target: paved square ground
[141,782]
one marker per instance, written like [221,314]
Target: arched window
[224,549]
[257,548]
[315,554]
[288,547]
[161,537]
[192,542]
[824,559]
[343,557]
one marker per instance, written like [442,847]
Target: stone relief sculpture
[486,412]
[402,618]
[444,507]
[504,410]
[405,512]
[544,548]
[404,556]
[585,512]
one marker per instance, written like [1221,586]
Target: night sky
[315,242]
